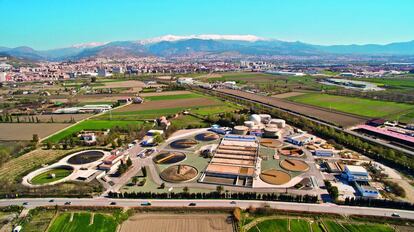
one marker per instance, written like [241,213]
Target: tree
[35,138]
[219,188]
[186,189]
[162,186]
[134,180]
[129,162]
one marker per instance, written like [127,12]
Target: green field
[299,225]
[82,222]
[396,83]
[332,226]
[274,225]
[44,177]
[185,121]
[173,97]
[92,125]
[367,227]
[358,106]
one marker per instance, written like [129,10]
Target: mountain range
[202,45]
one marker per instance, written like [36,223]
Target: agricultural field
[15,168]
[39,220]
[155,222]
[82,221]
[92,125]
[393,83]
[272,225]
[25,131]
[56,118]
[173,97]
[358,106]
[304,225]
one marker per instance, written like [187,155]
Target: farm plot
[177,223]
[80,221]
[287,95]
[39,221]
[25,131]
[164,104]
[55,118]
[17,167]
[164,93]
[353,105]
[173,97]
[92,125]
[273,225]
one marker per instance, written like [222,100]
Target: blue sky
[44,24]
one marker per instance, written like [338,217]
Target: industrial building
[235,162]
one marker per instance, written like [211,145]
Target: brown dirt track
[165,93]
[165,104]
[160,222]
[333,117]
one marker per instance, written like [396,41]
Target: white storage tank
[240,130]
[256,119]
[265,118]
[249,124]
[280,123]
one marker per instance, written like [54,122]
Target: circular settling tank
[292,151]
[179,173]
[169,157]
[85,157]
[52,175]
[294,165]
[271,143]
[183,143]
[275,177]
[207,136]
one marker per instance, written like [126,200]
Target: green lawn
[188,120]
[333,226]
[44,177]
[367,227]
[274,225]
[359,106]
[81,222]
[92,125]
[299,225]
[173,97]
[316,227]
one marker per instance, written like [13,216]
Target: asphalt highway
[315,208]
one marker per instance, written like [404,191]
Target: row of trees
[382,203]
[217,195]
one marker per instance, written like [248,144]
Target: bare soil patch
[57,118]
[25,131]
[177,223]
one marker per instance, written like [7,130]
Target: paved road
[316,208]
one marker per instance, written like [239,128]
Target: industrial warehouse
[234,162]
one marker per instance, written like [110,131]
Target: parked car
[395,215]
[192,204]
[113,203]
[68,203]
